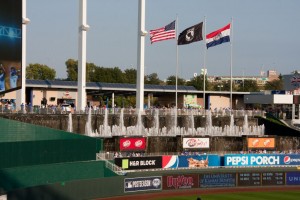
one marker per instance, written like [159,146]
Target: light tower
[140,56]
[21,93]
[83,28]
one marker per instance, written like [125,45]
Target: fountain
[70,123]
[231,130]
[88,125]
[246,126]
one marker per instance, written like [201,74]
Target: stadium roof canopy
[122,88]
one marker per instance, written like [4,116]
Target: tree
[152,79]
[109,75]
[275,84]
[171,80]
[249,86]
[40,72]
[130,76]
[72,70]
[197,82]
[90,72]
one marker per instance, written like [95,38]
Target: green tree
[249,86]
[72,69]
[171,80]
[130,75]
[275,84]
[198,82]
[152,79]
[40,72]
[109,75]
[90,72]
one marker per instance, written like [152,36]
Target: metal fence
[132,111]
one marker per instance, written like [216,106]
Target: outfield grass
[280,195]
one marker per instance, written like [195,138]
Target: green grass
[280,195]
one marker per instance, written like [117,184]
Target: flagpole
[177,65]
[204,62]
[231,40]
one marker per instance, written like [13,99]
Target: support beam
[83,28]
[21,93]
[140,56]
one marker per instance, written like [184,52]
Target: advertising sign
[139,162]
[133,144]
[194,161]
[291,159]
[261,143]
[10,45]
[142,184]
[190,100]
[174,182]
[249,179]
[273,178]
[217,180]
[251,160]
[292,178]
[195,143]
[261,159]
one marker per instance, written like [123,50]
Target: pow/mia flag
[191,34]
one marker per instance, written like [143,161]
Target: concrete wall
[219,101]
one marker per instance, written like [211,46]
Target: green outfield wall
[23,144]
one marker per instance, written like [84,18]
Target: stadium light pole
[21,93]
[83,28]
[140,56]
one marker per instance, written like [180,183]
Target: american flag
[164,33]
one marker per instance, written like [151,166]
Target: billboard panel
[261,159]
[133,144]
[195,143]
[175,182]
[194,161]
[10,45]
[261,143]
[142,184]
[139,162]
[217,180]
[293,178]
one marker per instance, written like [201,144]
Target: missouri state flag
[219,36]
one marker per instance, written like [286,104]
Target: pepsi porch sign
[291,159]
[133,144]
[195,143]
[261,159]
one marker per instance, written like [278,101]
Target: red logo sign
[133,144]
[180,182]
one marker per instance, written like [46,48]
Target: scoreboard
[249,179]
[261,179]
[273,178]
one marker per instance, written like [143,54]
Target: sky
[265,35]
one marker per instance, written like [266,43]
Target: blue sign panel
[293,178]
[217,180]
[200,161]
[142,184]
[291,159]
[261,159]
[192,161]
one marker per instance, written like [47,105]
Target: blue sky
[265,35]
